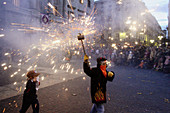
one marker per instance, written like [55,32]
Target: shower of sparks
[50,5]
[53,48]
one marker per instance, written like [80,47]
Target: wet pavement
[132,91]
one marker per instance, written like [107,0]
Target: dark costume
[98,83]
[30,98]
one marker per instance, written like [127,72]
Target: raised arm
[86,66]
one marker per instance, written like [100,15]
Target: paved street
[132,91]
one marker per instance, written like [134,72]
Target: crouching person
[99,77]
[30,97]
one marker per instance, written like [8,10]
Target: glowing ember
[66,89]
[3,64]
[15,83]
[84,78]
[42,78]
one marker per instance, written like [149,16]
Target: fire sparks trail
[2,35]
[50,5]
[54,49]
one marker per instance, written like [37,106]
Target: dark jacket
[98,83]
[30,91]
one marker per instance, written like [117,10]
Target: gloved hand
[86,58]
[110,74]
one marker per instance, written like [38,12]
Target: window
[81,11]
[70,7]
[81,1]
[89,4]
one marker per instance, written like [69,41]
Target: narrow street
[44,43]
[132,91]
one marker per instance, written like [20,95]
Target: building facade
[169,20]
[70,9]
[16,19]
[20,18]
[126,20]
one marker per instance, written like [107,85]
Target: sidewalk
[48,77]
[70,96]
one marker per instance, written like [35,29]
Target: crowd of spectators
[144,57]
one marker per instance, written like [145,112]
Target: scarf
[103,69]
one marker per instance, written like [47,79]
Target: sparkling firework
[53,49]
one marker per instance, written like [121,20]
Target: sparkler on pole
[81,37]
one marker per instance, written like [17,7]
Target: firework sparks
[55,71]
[72,70]
[51,48]
[15,83]
[42,78]
[3,64]
[2,35]
[23,75]
[50,5]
